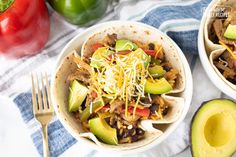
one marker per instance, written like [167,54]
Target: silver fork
[42,106]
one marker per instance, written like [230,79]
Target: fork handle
[45,141]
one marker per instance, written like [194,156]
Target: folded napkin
[180,21]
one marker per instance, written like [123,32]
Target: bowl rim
[188,87]
[211,73]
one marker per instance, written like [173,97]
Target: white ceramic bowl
[214,77]
[77,42]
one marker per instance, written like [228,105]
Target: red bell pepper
[94,94]
[24,27]
[152,53]
[96,46]
[106,107]
[140,112]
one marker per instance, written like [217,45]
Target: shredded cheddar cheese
[122,76]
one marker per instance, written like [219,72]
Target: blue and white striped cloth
[177,18]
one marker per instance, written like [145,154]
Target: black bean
[131,131]
[153,108]
[165,111]
[167,68]
[134,138]
[140,131]
[125,134]
[151,46]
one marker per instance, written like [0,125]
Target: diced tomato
[106,107]
[152,53]
[94,94]
[140,112]
[96,46]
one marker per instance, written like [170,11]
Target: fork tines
[41,98]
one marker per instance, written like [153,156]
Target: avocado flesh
[160,86]
[122,45]
[213,129]
[103,131]
[99,56]
[230,32]
[77,94]
[86,112]
[156,71]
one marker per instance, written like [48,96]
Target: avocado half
[213,129]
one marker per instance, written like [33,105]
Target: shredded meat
[82,64]
[86,59]
[171,76]
[80,75]
[228,58]
[227,66]
[220,25]
[111,39]
[219,30]
[158,100]
[131,119]
[83,73]
[116,104]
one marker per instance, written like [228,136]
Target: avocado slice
[213,129]
[155,61]
[99,56]
[122,45]
[77,94]
[160,86]
[230,32]
[103,131]
[86,112]
[156,71]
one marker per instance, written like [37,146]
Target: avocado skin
[194,116]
